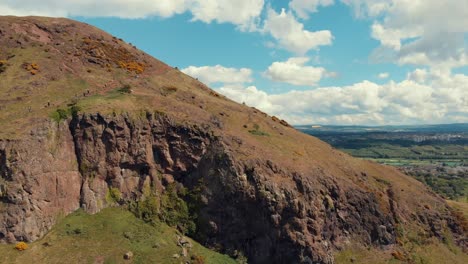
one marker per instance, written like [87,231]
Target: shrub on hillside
[132,66]
[175,211]
[147,209]
[198,259]
[63,114]
[32,68]
[125,89]
[256,131]
[21,246]
[3,64]
[169,207]
[167,90]
[113,195]
[74,110]
[60,114]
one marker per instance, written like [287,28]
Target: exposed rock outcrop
[243,208]
[39,182]
[272,214]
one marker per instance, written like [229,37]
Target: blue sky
[180,42]
[308,61]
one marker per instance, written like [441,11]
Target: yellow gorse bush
[21,246]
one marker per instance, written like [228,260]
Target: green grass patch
[59,115]
[63,114]
[257,132]
[113,196]
[104,238]
[126,89]
[169,207]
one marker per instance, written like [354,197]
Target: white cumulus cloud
[365,8]
[249,95]
[302,8]
[424,97]
[419,32]
[218,73]
[291,34]
[103,8]
[418,75]
[294,71]
[383,75]
[240,12]
[243,13]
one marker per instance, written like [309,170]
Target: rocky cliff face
[271,214]
[39,182]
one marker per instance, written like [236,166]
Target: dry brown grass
[433,253]
[461,207]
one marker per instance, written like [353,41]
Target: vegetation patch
[169,207]
[59,115]
[175,211]
[132,66]
[448,186]
[106,237]
[108,55]
[147,209]
[113,196]
[32,68]
[3,65]
[63,114]
[256,131]
[21,246]
[126,89]
[167,90]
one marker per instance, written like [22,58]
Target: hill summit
[90,121]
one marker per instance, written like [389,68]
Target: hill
[89,121]
[106,237]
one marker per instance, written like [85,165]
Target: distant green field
[410,162]
[435,155]
[429,153]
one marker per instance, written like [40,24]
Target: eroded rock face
[130,154]
[39,181]
[243,208]
[271,214]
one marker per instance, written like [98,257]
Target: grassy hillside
[105,238]
[430,253]
[415,248]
